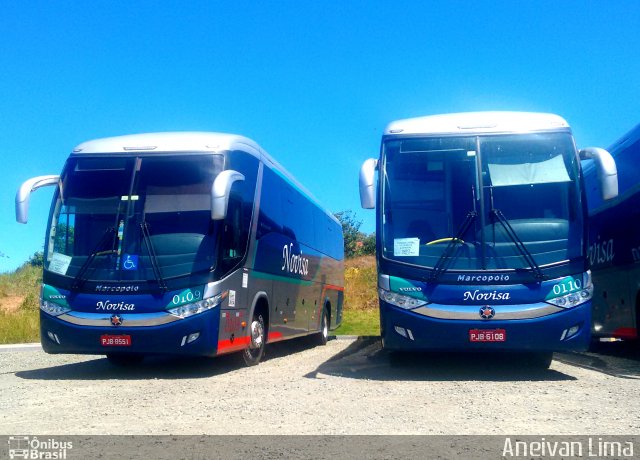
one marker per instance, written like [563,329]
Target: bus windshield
[482,202]
[133,218]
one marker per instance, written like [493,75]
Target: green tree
[356,243]
[37,259]
[369,244]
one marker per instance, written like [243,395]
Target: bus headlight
[576,298]
[190,309]
[53,309]
[399,300]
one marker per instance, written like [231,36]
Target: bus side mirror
[367,183]
[220,191]
[607,171]
[24,192]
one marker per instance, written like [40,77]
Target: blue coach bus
[614,244]
[183,243]
[481,233]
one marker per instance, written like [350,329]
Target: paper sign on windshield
[406,247]
[59,263]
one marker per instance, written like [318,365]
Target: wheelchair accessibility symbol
[130,262]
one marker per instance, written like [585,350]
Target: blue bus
[183,243]
[481,233]
[614,244]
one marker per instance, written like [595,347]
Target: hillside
[360,283]
[19,292]
[361,298]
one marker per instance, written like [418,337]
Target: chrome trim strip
[129,319]
[503,312]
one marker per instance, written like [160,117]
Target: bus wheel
[124,360]
[540,360]
[253,354]
[323,335]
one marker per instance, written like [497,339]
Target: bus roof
[188,142]
[477,123]
[164,142]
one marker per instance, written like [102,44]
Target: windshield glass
[473,200]
[114,219]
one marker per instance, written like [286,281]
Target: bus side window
[232,249]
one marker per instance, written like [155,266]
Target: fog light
[568,333]
[573,330]
[53,337]
[410,334]
[401,331]
[193,337]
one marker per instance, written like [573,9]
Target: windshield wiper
[146,236]
[447,257]
[79,279]
[537,272]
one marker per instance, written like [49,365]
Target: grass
[20,327]
[19,292]
[359,322]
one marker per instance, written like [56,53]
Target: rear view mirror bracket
[220,191]
[607,170]
[24,192]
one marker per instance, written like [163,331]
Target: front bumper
[536,334]
[159,339]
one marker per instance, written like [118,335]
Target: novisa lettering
[110,306]
[294,263]
[477,295]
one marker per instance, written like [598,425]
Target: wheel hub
[257,334]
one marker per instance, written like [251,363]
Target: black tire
[323,336]
[540,360]
[253,354]
[400,358]
[124,359]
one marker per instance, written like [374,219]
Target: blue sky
[313,82]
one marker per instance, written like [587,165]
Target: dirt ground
[346,387]
[11,303]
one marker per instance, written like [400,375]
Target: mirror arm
[220,191]
[607,170]
[24,192]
